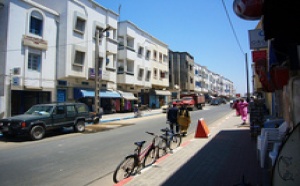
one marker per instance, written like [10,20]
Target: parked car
[231,102]
[44,117]
[223,100]
[166,107]
[215,101]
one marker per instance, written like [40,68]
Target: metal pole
[247,74]
[97,99]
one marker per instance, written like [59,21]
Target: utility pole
[97,79]
[247,74]
[97,83]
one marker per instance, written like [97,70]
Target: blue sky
[200,28]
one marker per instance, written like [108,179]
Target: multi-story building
[182,68]
[142,65]
[28,55]
[79,20]
[201,79]
[48,51]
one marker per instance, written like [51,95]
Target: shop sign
[35,42]
[257,39]
[259,55]
[92,73]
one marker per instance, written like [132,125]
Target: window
[160,57]
[148,54]
[34,61]
[162,74]
[141,73]
[81,108]
[36,23]
[79,58]
[141,51]
[155,73]
[71,109]
[165,58]
[80,25]
[79,22]
[148,75]
[60,110]
[154,55]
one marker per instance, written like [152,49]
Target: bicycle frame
[141,156]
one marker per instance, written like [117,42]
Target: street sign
[257,39]
[92,73]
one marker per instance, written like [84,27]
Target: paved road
[79,159]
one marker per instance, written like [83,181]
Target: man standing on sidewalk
[172,117]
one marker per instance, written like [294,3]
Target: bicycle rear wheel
[175,141]
[150,157]
[124,169]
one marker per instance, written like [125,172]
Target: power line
[232,28]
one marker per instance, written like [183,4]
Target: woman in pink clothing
[243,105]
[236,106]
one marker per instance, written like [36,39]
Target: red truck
[193,101]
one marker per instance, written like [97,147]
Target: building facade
[142,65]
[28,54]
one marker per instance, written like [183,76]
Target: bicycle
[169,140]
[141,157]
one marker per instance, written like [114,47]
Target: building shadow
[230,158]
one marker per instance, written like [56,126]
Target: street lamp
[97,79]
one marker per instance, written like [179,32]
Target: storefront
[109,99]
[159,97]
[22,100]
[127,101]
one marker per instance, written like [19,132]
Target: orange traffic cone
[202,129]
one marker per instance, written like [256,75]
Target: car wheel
[79,126]
[37,132]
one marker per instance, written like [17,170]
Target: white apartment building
[47,51]
[79,20]
[28,36]
[201,78]
[142,65]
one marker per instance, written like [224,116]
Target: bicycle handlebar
[150,133]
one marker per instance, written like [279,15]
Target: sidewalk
[127,115]
[222,159]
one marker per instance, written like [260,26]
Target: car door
[59,116]
[71,114]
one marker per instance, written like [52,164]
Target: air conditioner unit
[17,71]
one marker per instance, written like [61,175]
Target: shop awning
[78,93]
[163,92]
[127,95]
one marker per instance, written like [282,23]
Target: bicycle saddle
[165,130]
[139,143]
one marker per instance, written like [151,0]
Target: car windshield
[40,109]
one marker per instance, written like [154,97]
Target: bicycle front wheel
[124,169]
[162,148]
[150,157]
[175,141]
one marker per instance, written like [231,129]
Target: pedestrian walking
[184,119]
[243,105]
[236,106]
[172,115]
[136,111]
